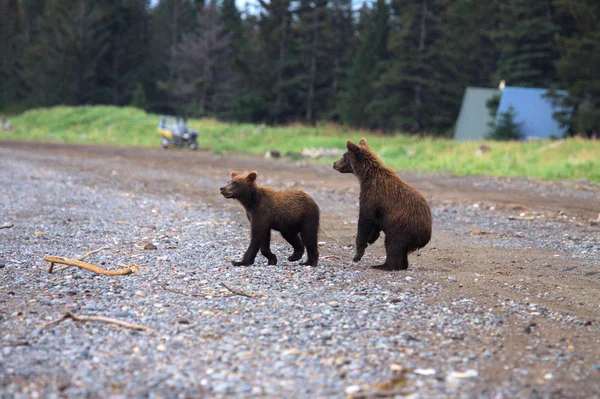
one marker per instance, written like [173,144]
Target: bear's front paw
[242,263]
[357,257]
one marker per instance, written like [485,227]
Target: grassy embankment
[568,159]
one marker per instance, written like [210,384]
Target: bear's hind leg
[297,243]
[309,234]
[396,255]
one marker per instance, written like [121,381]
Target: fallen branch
[7,226]
[237,292]
[521,217]
[87,254]
[183,292]
[22,342]
[80,258]
[87,266]
[101,319]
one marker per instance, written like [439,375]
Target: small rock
[150,246]
[352,389]
[463,374]
[424,371]
[272,154]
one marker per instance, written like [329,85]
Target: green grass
[107,125]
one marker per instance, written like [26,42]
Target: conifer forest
[389,65]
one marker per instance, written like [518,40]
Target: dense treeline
[388,64]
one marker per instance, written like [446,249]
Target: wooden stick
[332,257]
[237,292]
[50,269]
[101,319]
[7,226]
[92,252]
[183,292]
[83,265]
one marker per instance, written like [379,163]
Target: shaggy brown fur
[386,204]
[291,212]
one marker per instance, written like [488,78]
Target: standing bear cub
[386,204]
[291,212]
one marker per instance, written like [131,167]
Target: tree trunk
[116,60]
[313,68]
[282,51]
[418,87]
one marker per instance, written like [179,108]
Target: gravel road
[503,303]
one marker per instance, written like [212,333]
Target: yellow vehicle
[174,133]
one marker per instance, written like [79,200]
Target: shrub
[506,128]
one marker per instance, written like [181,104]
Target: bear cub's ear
[252,176]
[233,174]
[363,142]
[351,146]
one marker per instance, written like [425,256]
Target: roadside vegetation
[572,158]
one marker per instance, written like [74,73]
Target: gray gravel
[334,330]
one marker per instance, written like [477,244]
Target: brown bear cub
[386,204]
[291,212]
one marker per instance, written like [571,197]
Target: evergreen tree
[138,99]
[468,33]
[10,51]
[525,39]
[340,38]
[363,73]
[169,21]
[31,10]
[506,128]
[125,60]
[197,60]
[406,92]
[60,66]
[312,71]
[578,66]
[236,96]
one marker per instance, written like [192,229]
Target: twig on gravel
[87,254]
[183,292]
[237,292]
[102,319]
[380,394]
[182,329]
[7,226]
[87,266]
[332,257]
[22,342]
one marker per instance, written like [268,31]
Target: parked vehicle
[174,133]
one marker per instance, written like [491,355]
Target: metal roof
[532,110]
[474,118]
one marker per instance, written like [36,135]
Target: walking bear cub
[387,204]
[291,212]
